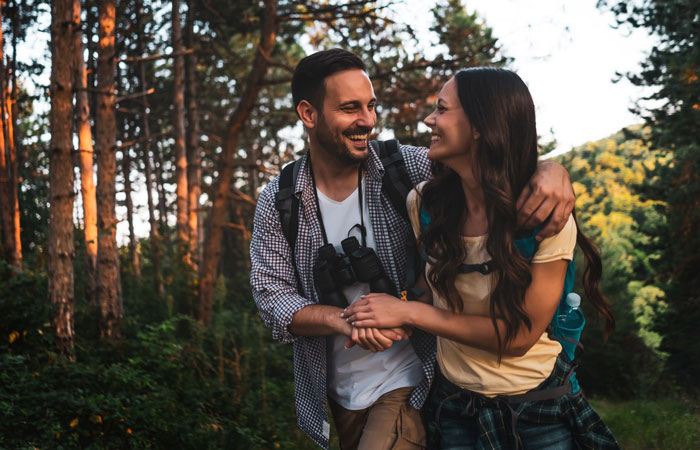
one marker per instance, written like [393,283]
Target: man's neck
[335,179]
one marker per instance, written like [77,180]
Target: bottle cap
[573,300]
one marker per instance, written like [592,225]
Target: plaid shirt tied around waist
[274,289]
[496,418]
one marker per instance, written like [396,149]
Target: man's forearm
[319,320]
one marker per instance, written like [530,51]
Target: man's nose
[430,120]
[367,118]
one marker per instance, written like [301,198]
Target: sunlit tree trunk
[13,132]
[219,210]
[154,235]
[194,151]
[60,263]
[8,179]
[85,156]
[179,129]
[108,287]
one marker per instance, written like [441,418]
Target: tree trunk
[179,129]
[194,152]
[91,69]
[85,156]
[8,188]
[162,207]
[133,247]
[60,263]
[108,285]
[217,218]
[13,132]
[154,235]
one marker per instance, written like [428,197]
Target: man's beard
[336,146]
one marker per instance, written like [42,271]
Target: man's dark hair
[309,76]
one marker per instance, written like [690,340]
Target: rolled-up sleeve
[272,278]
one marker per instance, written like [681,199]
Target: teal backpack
[527,246]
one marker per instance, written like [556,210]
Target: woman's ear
[475,133]
[307,113]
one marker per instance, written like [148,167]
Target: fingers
[383,342]
[530,205]
[556,222]
[355,337]
[389,333]
[524,195]
[541,214]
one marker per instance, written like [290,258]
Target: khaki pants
[391,423]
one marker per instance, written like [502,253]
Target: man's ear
[307,113]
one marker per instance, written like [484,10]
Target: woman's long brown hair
[499,106]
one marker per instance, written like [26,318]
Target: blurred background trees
[175,115]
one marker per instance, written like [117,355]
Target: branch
[141,139]
[236,194]
[136,95]
[154,57]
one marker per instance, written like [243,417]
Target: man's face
[348,116]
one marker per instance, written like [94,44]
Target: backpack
[527,245]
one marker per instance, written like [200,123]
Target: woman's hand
[377,310]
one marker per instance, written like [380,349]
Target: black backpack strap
[287,204]
[396,183]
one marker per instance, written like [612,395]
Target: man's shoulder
[266,199]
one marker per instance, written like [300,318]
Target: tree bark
[179,128]
[8,179]
[108,285]
[154,235]
[13,134]
[133,245]
[217,218]
[194,151]
[61,252]
[85,156]
[162,208]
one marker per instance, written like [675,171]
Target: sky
[567,53]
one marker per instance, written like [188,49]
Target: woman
[493,347]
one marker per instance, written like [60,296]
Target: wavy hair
[498,104]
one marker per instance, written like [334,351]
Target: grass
[667,424]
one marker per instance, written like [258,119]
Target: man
[373,389]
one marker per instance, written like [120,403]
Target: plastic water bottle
[571,319]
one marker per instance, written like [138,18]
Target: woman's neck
[476,223]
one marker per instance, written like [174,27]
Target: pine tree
[673,70]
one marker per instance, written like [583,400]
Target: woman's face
[453,138]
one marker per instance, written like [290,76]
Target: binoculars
[334,271]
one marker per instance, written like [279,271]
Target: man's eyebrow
[355,103]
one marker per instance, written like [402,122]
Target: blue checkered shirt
[273,282]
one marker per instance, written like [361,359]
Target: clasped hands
[376,322]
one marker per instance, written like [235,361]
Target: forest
[166,119]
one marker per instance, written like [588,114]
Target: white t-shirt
[358,377]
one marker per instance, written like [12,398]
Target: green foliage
[652,425]
[626,227]
[672,69]
[169,383]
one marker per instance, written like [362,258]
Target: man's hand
[548,194]
[376,339]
